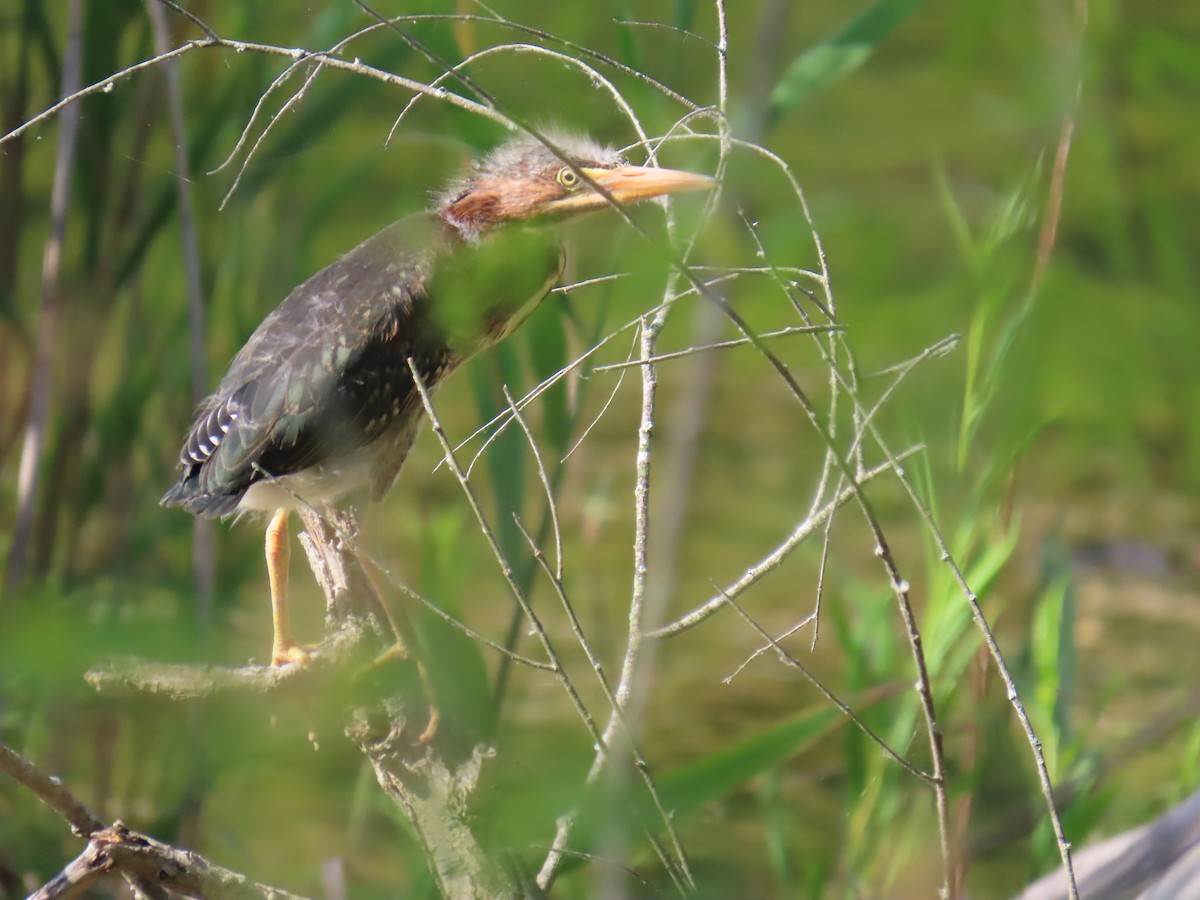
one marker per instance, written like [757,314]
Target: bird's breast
[482,292]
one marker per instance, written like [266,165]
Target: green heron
[321,400]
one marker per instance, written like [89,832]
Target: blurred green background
[1061,436]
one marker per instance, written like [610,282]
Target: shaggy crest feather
[525,156]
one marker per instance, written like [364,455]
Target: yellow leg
[284,649]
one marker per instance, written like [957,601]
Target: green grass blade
[820,66]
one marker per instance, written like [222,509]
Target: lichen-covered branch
[120,849]
[430,777]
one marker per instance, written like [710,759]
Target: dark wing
[322,375]
[327,372]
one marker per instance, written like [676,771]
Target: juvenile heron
[321,399]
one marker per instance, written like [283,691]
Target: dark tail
[211,506]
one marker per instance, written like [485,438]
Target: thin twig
[829,695]
[621,697]
[604,407]
[50,791]
[593,76]
[665,27]
[551,505]
[496,18]
[148,865]
[191,17]
[603,742]
[357,67]
[639,760]
[775,558]
[720,345]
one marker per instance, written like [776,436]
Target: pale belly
[374,466]
[318,486]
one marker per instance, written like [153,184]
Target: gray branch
[432,781]
[140,857]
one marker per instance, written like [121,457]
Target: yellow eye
[567,177]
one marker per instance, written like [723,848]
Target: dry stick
[556,579]
[191,17]
[629,665]
[765,648]
[278,114]
[503,419]
[758,270]
[157,865]
[720,345]
[50,791]
[551,505]
[612,395]
[451,620]
[827,465]
[1010,685]
[171,867]
[594,76]
[496,18]
[1035,745]
[901,370]
[34,445]
[359,68]
[261,103]
[275,118]
[829,695]
[634,23]
[653,575]
[1046,242]
[506,571]
[202,535]
[775,558]
[900,586]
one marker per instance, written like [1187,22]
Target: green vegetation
[996,172]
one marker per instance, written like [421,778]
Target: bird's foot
[285,653]
[398,652]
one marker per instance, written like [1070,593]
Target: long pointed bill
[628,184]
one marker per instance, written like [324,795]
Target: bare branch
[120,849]
[50,791]
[772,560]
[191,17]
[150,866]
[357,67]
[187,682]
[790,660]
[627,680]
[720,345]
[639,760]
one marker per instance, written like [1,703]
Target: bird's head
[522,179]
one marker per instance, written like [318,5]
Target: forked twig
[150,866]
